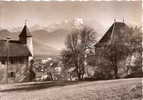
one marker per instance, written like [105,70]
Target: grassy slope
[124,89]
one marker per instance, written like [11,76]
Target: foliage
[47,68]
[124,44]
[135,44]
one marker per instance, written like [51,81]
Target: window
[3,62]
[11,74]
[13,61]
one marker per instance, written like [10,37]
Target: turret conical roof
[25,32]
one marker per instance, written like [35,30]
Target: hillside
[122,89]
[4,33]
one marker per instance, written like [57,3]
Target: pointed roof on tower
[25,32]
[112,32]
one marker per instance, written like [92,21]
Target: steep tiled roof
[113,31]
[15,49]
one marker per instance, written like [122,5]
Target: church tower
[25,37]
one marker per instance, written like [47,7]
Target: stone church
[15,56]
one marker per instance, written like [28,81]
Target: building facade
[15,56]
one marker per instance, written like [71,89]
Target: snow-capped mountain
[48,39]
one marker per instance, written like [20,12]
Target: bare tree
[76,44]
[87,37]
[72,44]
[87,40]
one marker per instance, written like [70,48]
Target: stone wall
[14,71]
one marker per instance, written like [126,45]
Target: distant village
[116,55]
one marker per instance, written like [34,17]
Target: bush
[102,76]
[135,74]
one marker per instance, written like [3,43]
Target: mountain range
[47,40]
[43,40]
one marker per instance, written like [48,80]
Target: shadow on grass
[38,86]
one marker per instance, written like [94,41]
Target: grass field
[122,89]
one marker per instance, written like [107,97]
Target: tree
[115,53]
[76,44]
[32,74]
[125,44]
[135,43]
[74,52]
[29,74]
[47,68]
[87,37]
[87,40]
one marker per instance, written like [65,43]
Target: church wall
[30,47]
[30,44]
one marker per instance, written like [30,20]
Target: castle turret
[25,37]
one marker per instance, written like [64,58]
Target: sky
[100,15]
[13,14]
